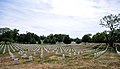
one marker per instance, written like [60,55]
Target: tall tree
[15,34]
[86,38]
[67,39]
[113,23]
[78,41]
[99,37]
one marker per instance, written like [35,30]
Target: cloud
[43,17]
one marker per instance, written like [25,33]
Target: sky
[43,17]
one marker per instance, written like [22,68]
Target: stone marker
[12,56]
[78,52]
[16,61]
[41,56]
[56,52]
[25,56]
[30,58]
[70,54]
[34,53]
[53,51]
[74,53]
[63,56]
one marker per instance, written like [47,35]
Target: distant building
[3,30]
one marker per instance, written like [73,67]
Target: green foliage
[42,37]
[21,38]
[53,41]
[86,38]
[39,42]
[59,37]
[67,39]
[112,22]
[78,41]
[33,41]
[99,37]
[7,40]
[46,41]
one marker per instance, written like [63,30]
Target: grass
[85,60]
[2,50]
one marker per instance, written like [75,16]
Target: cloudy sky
[43,17]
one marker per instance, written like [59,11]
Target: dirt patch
[55,57]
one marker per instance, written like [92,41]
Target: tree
[15,34]
[39,42]
[78,41]
[112,22]
[21,38]
[99,38]
[46,41]
[8,34]
[33,41]
[42,37]
[53,41]
[59,37]
[86,38]
[7,40]
[36,37]
[67,39]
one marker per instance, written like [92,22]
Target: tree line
[32,38]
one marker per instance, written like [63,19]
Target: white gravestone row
[16,48]
[12,48]
[4,49]
[117,51]
[46,50]
[61,49]
[1,47]
[97,54]
[11,54]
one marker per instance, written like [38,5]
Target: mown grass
[83,61]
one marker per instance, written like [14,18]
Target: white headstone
[30,58]
[52,50]
[41,56]
[74,53]
[63,57]
[34,53]
[25,56]
[56,52]
[78,52]
[12,56]
[16,61]
[70,54]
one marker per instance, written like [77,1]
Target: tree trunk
[111,44]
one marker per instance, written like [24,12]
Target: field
[60,56]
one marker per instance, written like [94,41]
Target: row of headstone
[60,50]
[4,49]
[10,53]
[1,47]
[118,52]
[15,47]
[97,54]
[12,48]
